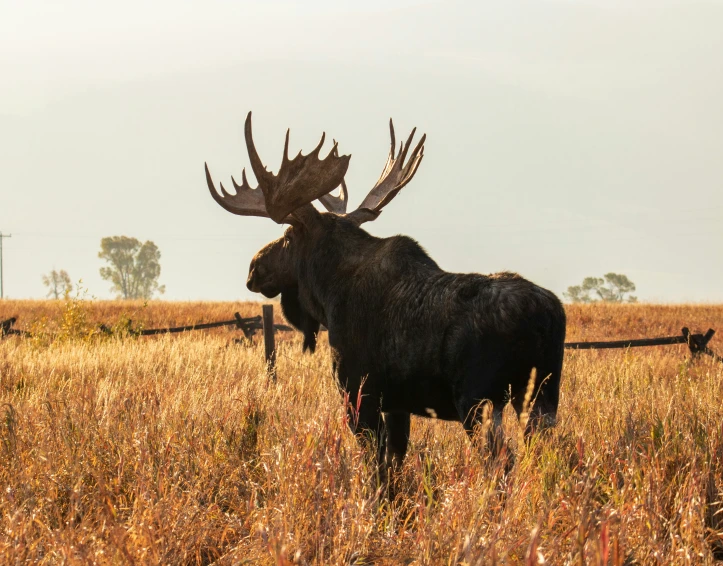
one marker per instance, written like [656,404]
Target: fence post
[268,316]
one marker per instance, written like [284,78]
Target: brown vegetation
[177,449]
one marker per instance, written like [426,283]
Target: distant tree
[611,288]
[58,283]
[133,268]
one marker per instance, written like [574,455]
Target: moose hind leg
[542,408]
[486,415]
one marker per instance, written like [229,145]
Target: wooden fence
[697,343]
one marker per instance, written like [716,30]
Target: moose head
[313,240]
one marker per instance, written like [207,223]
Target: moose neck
[327,271]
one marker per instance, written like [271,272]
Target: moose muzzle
[251,282]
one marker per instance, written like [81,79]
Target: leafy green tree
[133,268]
[610,288]
[58,284]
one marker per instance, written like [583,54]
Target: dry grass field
[178,450]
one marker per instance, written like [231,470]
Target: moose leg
[540,419]
[480,400]
[474,415]
[542,415]
[488,415]
[397,429]
[368,425]
[392,449]
[498,446]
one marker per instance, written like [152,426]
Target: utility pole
[1,261]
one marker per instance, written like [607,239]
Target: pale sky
[565,138]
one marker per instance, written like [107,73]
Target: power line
[1,260]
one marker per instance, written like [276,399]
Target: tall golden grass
[179,450]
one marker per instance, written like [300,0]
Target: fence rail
[697,343]
[248,326]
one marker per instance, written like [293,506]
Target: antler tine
[317,149]
[392,152]
[396,173]
[337,205]
[285,158]
[404,148]
[257,166]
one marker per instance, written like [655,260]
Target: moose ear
[306,216]
[362,215]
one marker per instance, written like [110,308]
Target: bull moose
[417,339]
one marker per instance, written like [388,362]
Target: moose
[410,337]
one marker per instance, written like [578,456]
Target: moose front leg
[396,431]
[387,437]
[397,427]
[368,426]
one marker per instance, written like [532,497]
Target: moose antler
[299,181]
[394,177]
[337,205]
[396,173]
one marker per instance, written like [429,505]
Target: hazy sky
[565,138]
